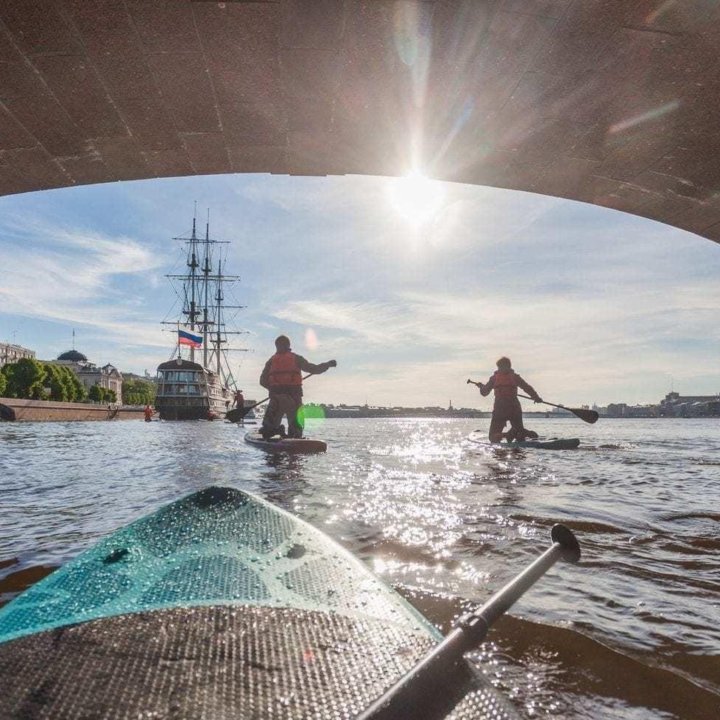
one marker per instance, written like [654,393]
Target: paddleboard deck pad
[217,606]
[278,444]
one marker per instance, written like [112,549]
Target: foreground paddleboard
[217,606]
[278,444]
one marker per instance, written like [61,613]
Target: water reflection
[447,523]
[282,479]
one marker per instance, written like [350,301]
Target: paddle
[589,416]
[237,414]
[442,678]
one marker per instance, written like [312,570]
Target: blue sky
[412,286]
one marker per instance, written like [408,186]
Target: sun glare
[416,198]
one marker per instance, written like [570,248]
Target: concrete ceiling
[612,102]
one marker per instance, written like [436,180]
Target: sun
[416,198]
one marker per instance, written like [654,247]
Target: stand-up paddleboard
[555,444]
[293,445]
[219,605]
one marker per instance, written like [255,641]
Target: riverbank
[23,410]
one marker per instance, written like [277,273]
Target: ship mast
[218,310]
[203,300]
[206,283]
[193,265]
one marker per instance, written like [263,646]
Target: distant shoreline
[336,413]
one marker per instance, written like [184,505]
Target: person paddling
[505,382]
[282,377]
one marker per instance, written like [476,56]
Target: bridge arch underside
[604,101]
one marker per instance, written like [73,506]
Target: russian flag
[188,338]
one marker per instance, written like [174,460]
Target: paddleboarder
[505,382]
[282,377]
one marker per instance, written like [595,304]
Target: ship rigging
[201,385]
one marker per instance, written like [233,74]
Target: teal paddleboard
[219,605]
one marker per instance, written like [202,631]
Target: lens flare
[311,341]
[309,412]
[417,198]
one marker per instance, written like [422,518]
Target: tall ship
[196,383]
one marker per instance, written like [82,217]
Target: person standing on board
[148,412]
[505,382]
[282,377]
[239,400]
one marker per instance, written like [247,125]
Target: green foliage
[26,379]
[138,392]
[60,381]
[3,384]
[79,391]
[102,395]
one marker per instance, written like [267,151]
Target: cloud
[591,304]
[58,273]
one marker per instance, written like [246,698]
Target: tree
[3,384]
[79,391]
[57,378]
[138,392]
[102,395]
[26,379]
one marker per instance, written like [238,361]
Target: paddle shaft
[440,680]
[589,416]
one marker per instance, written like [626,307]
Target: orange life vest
[505,384]
[284,370]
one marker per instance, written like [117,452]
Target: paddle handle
[437,683]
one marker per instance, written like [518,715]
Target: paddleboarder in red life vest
[239,400]
[282,377]
[505,382]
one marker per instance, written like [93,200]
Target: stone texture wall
[47,411]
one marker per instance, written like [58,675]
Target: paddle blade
[237,414]
[589,416]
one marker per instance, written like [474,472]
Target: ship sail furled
[201,385]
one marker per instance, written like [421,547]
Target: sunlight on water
[448,522]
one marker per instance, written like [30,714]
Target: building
[89,374]
[676,405]
[12,353]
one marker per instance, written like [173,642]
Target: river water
[632,631]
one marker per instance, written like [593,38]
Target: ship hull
[188,391]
